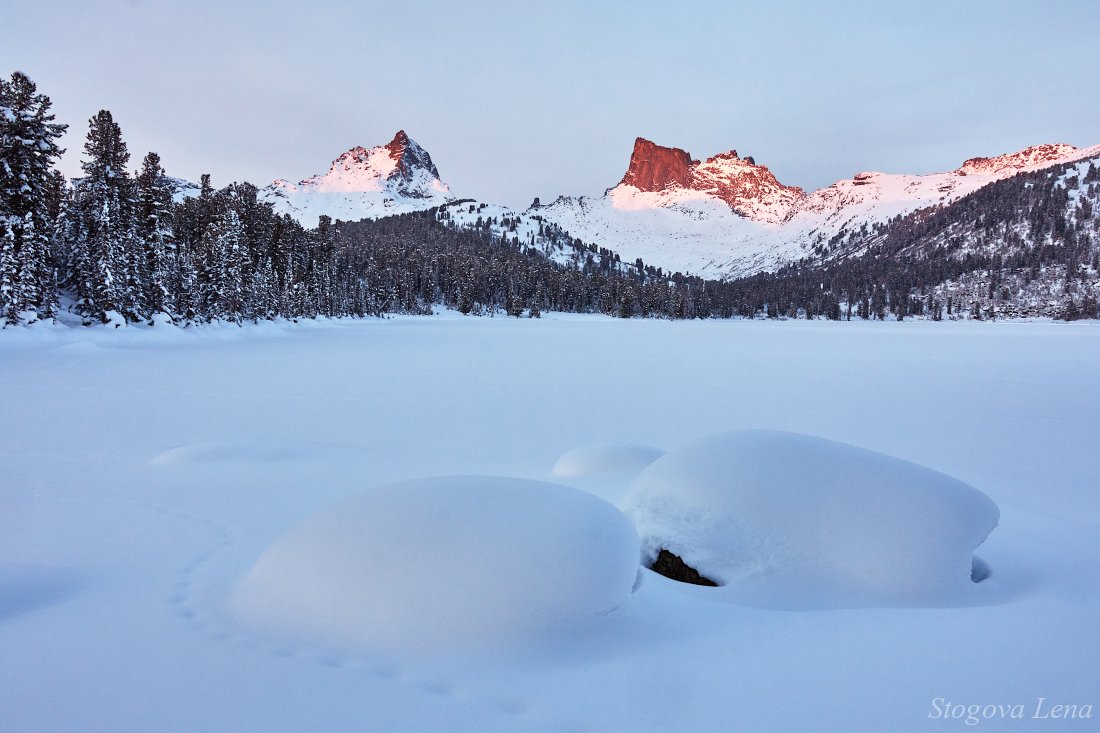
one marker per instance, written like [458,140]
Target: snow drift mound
[449,561]
[604,470]
[791,521]
[600,460]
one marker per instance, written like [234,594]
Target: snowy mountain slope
[1026,246]
[729,217]
[871,197]
[1006,216]
[531,232]
[679,230]
[527,230]
[684,215]
[181,188]
[365,183]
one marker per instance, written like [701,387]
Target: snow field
[147,471]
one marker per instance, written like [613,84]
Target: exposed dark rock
[409,156]
[979,569]
[672,566]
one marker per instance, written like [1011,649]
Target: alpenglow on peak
[365,183]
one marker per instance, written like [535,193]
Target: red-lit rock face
[654,167]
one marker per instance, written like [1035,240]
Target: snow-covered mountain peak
[673,178]
[365,183]
[401,165]
[410,157]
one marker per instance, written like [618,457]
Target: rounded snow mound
[249,452]
[792,521]
[442,561]
[601,460]
[227,452]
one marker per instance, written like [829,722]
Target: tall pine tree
[28,149]
[103,269]
[154,230]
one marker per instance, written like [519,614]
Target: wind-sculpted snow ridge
[446,563]
[363,183]
[729,217]
[791,521]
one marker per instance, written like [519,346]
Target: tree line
[121,247]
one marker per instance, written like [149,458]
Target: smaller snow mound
[233,452]
[435,563]
[787,520]
[599,460]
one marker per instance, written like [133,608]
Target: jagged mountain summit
[729,216]
[660,176]
[365,183]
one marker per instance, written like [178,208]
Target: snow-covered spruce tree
[154,230]
[28,149]
[105,255]
[257,224]
[192,221]
[228,289]
[280,255]
[186,295]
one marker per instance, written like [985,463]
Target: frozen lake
[146,471]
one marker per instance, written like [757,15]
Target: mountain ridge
[722,217]
[668,213]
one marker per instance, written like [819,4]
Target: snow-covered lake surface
[147,473]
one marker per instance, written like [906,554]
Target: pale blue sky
[515,100]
